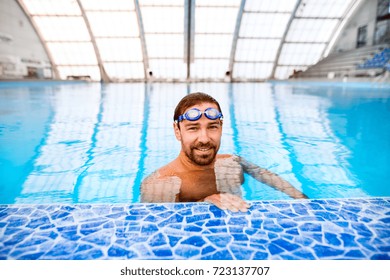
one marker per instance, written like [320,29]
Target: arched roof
[186,40]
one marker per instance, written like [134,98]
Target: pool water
[93,143]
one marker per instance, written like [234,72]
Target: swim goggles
[195,114]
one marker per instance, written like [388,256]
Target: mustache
[203,146]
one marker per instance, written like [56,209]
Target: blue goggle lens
[195,114]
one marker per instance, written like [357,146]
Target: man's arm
[271,179]
[156,189]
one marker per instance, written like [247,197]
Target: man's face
[200,139]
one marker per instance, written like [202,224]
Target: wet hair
[191,100]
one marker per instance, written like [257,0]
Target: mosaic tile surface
[296,229]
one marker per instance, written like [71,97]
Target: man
[199,173]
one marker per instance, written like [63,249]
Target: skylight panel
[124,70]
[113,24]
[119,49]
[300,54]
[165,45]
[255,25]
[218,3]
[215,20]
[213,46]
[73,53]
[52,7]
[62,28]
[163,20]
[110,5]
[311,30]
[323,8]
[257,49]
[270,6]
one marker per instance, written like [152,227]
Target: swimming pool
[72,157]
[94,143]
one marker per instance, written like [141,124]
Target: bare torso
[176,183]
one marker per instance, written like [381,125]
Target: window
[362,36]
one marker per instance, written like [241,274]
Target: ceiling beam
[235,38]
[293,13]
[147,72]
[103,75]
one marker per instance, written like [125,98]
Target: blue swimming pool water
[93,143]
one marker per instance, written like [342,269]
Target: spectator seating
[350,63]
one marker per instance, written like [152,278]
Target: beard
[199,157]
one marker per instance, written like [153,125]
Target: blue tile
[222,240]
[208,250]
[115,251]
[174,219]
[272,235]
[327,215]
[164,252]
[35,223]
[312,227]
[332,239]
[62,249]
[18,237]
[149,229]
[190,228]
[282,243]
[256,223]
[355,254]
[326,251]
[195,218]
[17,221]
[240,237]
[241,253]
[384,248]
[215,223]
[274,249]
[287,224]
[241,221]
[134,231]
[59,214]
[220,255]
[271,226]
[380,257]
[361,229]
[31,256]
[304,254]
[157,240]
[293,231]
[32,241]
[260,255]
[187,252]
[173,240]
[90,255]
[196,241]
[83,247]
[300,209]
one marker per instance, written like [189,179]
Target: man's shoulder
[161,173]
[224,156]
[228,156]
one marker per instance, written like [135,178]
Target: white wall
[365,15]
[24,43]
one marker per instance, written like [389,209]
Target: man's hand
[227,201]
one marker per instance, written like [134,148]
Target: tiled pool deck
[296,229]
